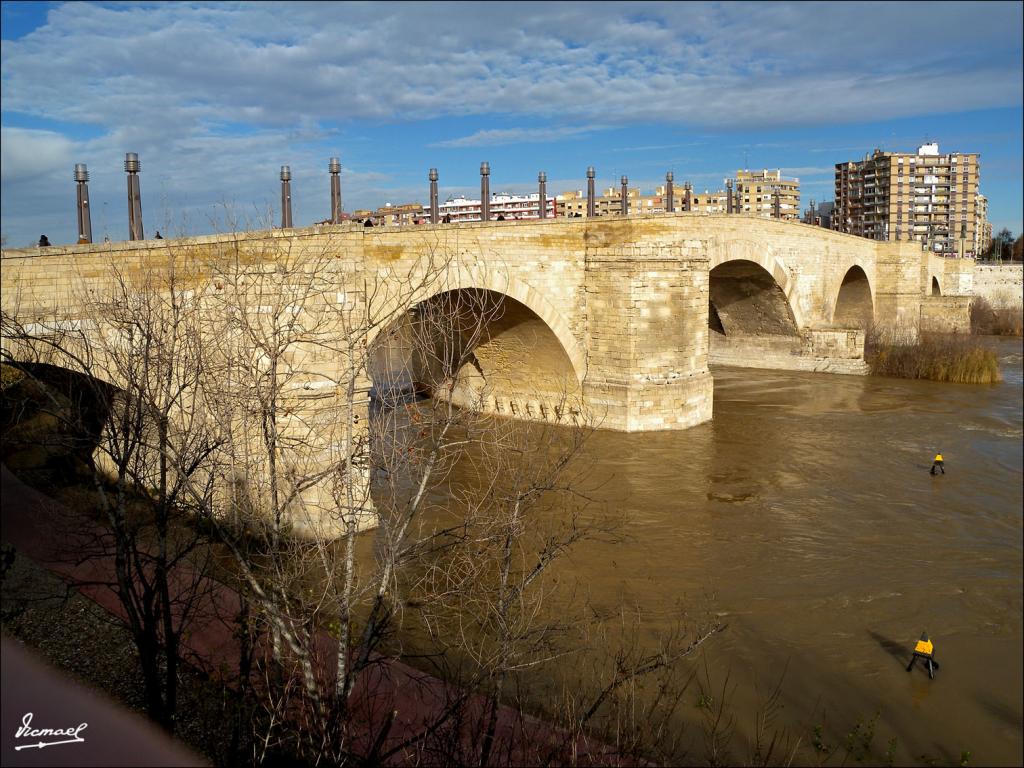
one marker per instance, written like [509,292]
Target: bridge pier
[898,288]
[647,318]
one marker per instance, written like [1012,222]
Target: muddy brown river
[805,517]
[806,508]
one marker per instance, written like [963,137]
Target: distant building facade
[926,196]
[609,203]
[820,214]
[392,215]
[757,192]
[760,191]
[510,207]
[983,225]
[710,202]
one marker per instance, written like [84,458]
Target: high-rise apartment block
[927,196]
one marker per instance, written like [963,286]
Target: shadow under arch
[854,307]
[746,300]
[751,252]
[481,348]
[749,316]
[460,277]
[53,418]
[936,290]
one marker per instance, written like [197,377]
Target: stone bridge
[620,315]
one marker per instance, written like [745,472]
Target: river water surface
[807,509]
[805,516]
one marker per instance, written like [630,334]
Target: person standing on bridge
[937,465]
[44,241]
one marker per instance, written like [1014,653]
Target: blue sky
[215,97]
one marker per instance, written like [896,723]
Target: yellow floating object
[924,647]
[938,457]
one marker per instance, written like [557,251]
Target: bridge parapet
[625,298]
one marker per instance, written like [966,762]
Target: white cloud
[174,65]
[216,96]
[27,153]
[499,136]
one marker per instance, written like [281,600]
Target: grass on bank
[950,357]
[988,320]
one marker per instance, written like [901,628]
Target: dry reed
[950,357]
[987,320]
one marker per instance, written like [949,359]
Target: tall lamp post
[542,194]
[485,192]
[591,202]
[434,207]
[286,197]
[132,168]
[334,166]
[84,214]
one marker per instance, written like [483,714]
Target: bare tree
[137,349]
[245,372]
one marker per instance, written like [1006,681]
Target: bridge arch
[936,289]
[775,267]
[461,278]
[502,345]
[746,299]
[75,405]
[854,304]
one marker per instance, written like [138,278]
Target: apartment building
[574,203]
[926,196]
[506,205]
[710,202]
[757,192]
[400,215]
[610,203]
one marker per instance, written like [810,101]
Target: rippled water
[805,509]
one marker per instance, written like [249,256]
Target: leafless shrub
[987,320]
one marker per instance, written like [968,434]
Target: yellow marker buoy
[937,465]
[924,649]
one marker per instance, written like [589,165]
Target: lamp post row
[132,167]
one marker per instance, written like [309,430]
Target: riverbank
[79,636]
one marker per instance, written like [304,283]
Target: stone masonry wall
[627,299]
[946,314]
[1002,285]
